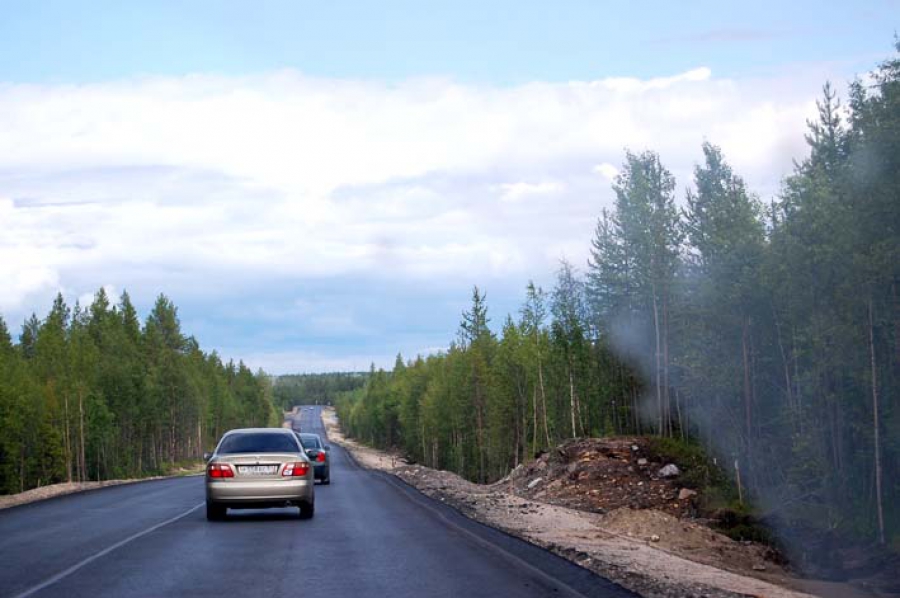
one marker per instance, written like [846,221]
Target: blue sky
[318,185]
[510,42]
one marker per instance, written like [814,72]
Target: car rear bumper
[260,492]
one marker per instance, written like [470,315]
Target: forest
[766,332]
[90,394]
[315,389]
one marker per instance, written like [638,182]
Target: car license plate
[257,469]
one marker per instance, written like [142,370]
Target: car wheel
[215,512]
[326,481]
[307,510]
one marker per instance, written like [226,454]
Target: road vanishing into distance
[372,536]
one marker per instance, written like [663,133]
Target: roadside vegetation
[90,394]
[758,341]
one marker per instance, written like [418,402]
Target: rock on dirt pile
[601,475]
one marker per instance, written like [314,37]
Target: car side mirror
[327,447]
[207,456]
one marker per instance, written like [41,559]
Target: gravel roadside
[54,490]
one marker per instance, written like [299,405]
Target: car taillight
[296,470]
[219,470]
[320,458]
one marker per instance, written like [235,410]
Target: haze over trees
[767,331]
[90,394]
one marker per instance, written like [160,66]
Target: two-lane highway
[372,536]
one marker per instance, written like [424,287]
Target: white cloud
[513,192]
[26,260]
[631,85]
[607,171]
[201,185]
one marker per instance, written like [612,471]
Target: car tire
[215,512]
[326,481]
[307,510]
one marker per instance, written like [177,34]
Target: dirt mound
[697,542]
[638,496]
[602,475]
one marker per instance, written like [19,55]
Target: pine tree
[474,325]
[6,346]
[723,223]
[649,228]
[533,315]
[568,331]
[29,336]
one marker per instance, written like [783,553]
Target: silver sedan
[255,468]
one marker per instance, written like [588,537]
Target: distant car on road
[318,453]
[254,468]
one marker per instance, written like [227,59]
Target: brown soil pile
[693,541]
[601,475]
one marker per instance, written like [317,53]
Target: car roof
[308,434]
[258,431]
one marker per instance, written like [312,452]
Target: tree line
[768,331]
[90,394]
[315,389]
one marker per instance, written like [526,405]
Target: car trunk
[250,467]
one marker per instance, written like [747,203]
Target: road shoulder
[41,493]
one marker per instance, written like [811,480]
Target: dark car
[317,451]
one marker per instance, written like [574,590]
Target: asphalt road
[372,536]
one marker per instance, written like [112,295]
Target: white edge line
[65,573]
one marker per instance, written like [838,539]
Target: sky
[318,185]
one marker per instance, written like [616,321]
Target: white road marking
[63,574]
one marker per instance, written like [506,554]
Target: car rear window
[310,442]
[257,443]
